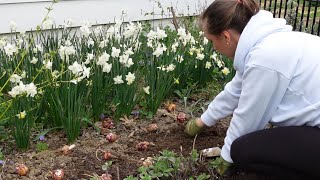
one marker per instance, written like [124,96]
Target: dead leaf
[128,122]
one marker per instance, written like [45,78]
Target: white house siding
[29,13]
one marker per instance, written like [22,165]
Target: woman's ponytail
[228,14]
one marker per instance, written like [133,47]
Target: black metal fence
[303,15]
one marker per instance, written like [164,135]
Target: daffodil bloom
[118,80]
[31,90]
[205,40]
[107,67]
[103,59]
[200,56]
[130,78]
[225,71]
[37,48]
[17,90]
[90,42]
[55,74]
[129,63]
[10,49]
[85,72]
[85,30]
[115,52]
[171,67]
[180,58]
[14,78]
[176,80]
[208,65]
[2,43]
[34,60]
[219,63]
[23,74]
[75,68]
[146,89]
[214,56]
[22,115]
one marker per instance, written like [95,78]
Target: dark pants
[287,152]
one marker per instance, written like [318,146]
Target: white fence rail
[29,13]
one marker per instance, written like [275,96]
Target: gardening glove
[192,128]
[223,167]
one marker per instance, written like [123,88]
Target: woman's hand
[193,126]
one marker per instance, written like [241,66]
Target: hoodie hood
[260,26]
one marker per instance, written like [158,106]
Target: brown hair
[228,14]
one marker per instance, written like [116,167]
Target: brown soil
[82,161]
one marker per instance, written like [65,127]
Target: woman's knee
[237,150]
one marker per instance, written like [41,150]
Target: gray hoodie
[277,81]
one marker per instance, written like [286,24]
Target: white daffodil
[17,90]
[180,58]
[13,26]
[113,31]
[107,67]
[19,42]
[75,68]
[151,35]
[128,52]
[86,71]
[208,65]
[66,51]
[85,30]
[150,43]
[129,63]
[55,74]
[10,49]
[160,34]
[34,60]
[31,90]
[174,46]
[123,59]
[225,71]
[182,33]
[22,115]
[2,43]
[205,40]
[146,89]
[200,56]
[130,78]
[118,80]
[89,58]
[47,64]
[162,68]
[170,68]
[23,74]
[159,50]
[103,59]
[219,63]
[115,52]
[90,42]
[130,30]
[14,78]
[37,48]
[214,56]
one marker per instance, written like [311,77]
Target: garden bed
[82,161]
